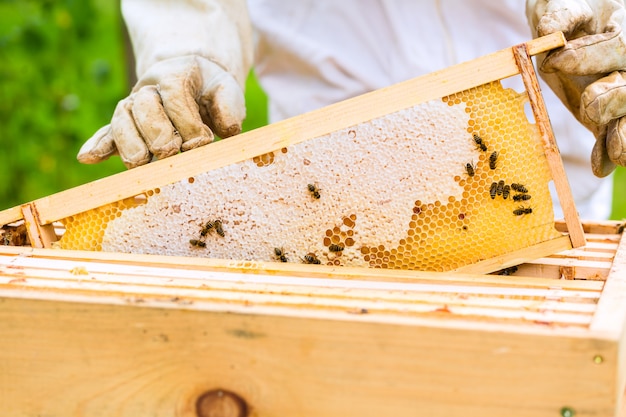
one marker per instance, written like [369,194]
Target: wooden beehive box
[102,334]
[90,333]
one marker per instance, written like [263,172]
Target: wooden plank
[69,275]
[40,235]
[517,257]
[601,247]
[610,317]
[575,268]
[446,306]
[601,227]
[288,132]
[542,270]
[527,71]
[602,238]
[120,360]
[10,215]
[584,255]
[567,273]
[290,269]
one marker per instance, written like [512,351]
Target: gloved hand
[589,73]
[192,61]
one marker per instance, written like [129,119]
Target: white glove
[589,73]
[193,58]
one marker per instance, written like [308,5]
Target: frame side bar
[527,71]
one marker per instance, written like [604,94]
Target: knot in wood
[221,403]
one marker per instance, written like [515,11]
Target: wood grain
[527,71]
[101,359]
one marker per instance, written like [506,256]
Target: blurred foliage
[62,71]
[61,75]
[619,195]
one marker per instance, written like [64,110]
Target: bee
[521,197]
[508,271]
[521,210]
[315,192]
[218,227]
[207,228]
[198,243]
[519,188]
[493,158]
[493,190]
[500,187]
[280,254]
[479,143]
[310,258]
[470,168]
[335,248]
[506,191]
[6,238]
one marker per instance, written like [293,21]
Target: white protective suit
[312,53]
[193,57]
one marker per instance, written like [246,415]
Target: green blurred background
[63,67]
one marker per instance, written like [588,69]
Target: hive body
[393,192]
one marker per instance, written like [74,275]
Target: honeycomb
[437,186]
[84,231]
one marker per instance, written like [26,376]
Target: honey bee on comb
[521,210]
[521,197]
[335,248]
[197,243]
[207,228]
[493,159]
[310,258]
[218,227]
[519,188]
[470,168]
[279,253]
[500,187]
[479,143]
[506,191]
[315,192]
[493,190]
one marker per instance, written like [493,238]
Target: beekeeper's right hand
[192,61]
[589,73]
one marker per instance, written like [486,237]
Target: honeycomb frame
[343,237]
[357,218]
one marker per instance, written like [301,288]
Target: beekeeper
[193,58]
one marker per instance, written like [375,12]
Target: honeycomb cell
[264,159]
[84,231]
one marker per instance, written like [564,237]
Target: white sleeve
[218,30]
